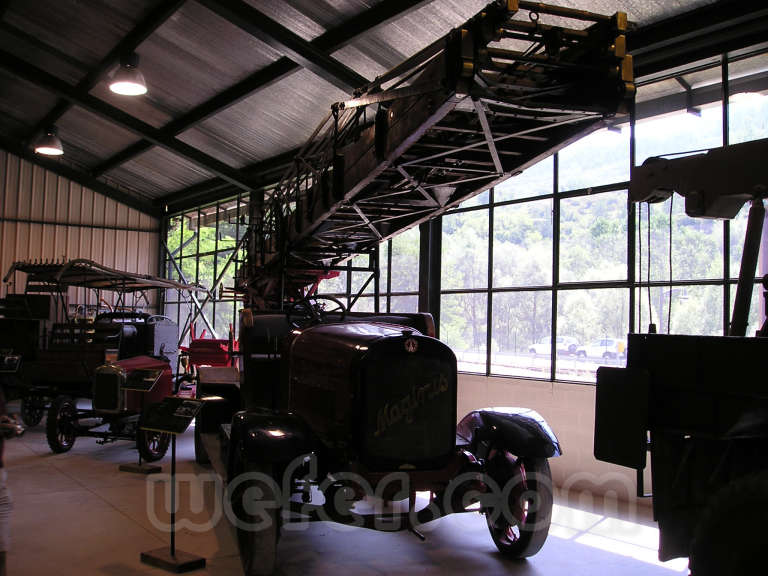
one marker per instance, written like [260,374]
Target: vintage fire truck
[332,407]
[121,360]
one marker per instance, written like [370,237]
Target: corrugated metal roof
[93,134]
[190,56]
[277,119]
[21,105]
[83,30]
[157,171]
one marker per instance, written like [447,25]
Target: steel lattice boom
[480,105]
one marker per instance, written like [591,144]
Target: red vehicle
[121,391]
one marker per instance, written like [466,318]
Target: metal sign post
[173,415]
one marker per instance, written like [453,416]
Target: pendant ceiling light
[49,144]
[128,80]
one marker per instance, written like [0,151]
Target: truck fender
[267,436]
[521,431]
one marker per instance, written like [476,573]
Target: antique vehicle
[331,406]
[699,403]
[62,359]
[338,411]
[121,391]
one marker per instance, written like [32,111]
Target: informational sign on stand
[172,416]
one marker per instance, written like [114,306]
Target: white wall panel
[46,217]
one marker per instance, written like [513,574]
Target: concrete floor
[76,514]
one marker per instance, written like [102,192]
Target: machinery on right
[699,404]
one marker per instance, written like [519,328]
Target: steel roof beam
[301,51]
[128,44]
[112,114]
[328,41]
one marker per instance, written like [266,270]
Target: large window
[560,297]
[203,249]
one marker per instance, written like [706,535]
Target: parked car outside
[563,344]
[605,348]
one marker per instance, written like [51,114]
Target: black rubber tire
[32,410]
[257,545]
[152,445]
[59,429]
[530,502]
[730,535]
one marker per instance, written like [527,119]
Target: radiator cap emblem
[411,345]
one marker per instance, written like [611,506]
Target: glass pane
[593,237]
[756,309]
[600,158]
[592,330]
[404,304]
[522,325]
[363,304]
[479,200]
[463,328]
[336,285]
[679,132]
[189,268]
[748,102]
[697,244]
[207,230]
[534,181]
[225,317]
[189,234]
[360,278]
[228,227]
[228,279]
[748,117]
[658,90]
[465,250]
[696,310]
[738,230]
[405,261]
[173,236]
[522,244]
[383,268]
[206,271]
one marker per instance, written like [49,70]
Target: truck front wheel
[520,524]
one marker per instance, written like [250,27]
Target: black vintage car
[340,408]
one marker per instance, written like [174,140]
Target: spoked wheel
[152,445]
[32,410]
[314,310]
[60,425]
[253,496]
[519,526]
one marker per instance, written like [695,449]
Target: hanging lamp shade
[49,144]
[128,80]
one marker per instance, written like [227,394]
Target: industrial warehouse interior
[383,287]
